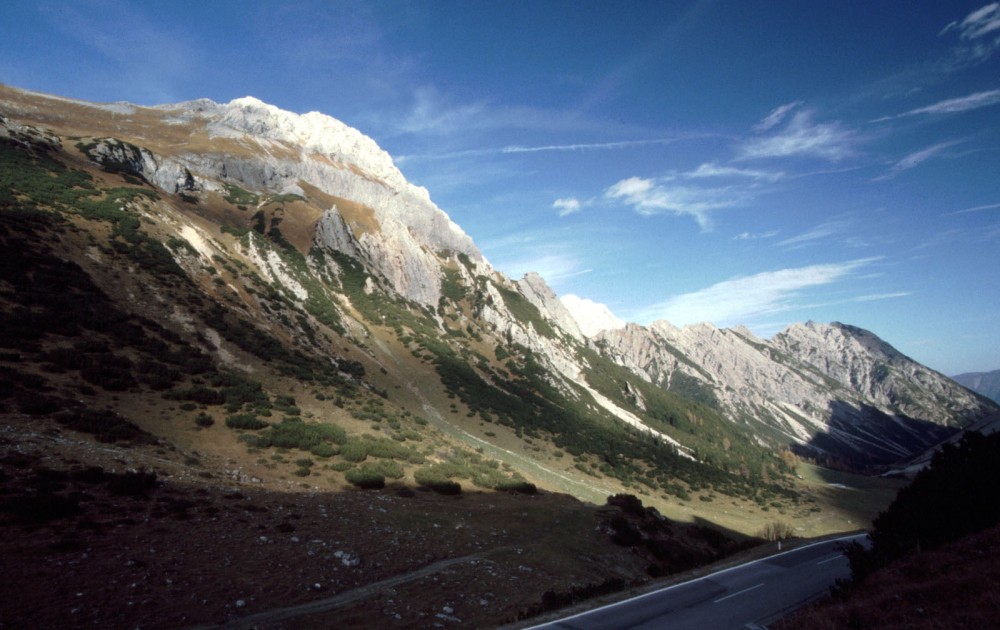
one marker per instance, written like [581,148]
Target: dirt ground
[86,543]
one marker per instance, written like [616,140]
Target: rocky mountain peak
[591,317]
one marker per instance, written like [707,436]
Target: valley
[239,352]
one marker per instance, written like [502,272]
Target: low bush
[365,477]
[204,420]
[294,433]
[436,478]
[247,421]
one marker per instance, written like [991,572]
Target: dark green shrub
[294,433]
[324,449]
[516,485]
[105,425]
[365,477]
[204,420]
[245,421]
[436,478]
[955,496]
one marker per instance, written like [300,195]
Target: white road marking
[746,590]
[836,557]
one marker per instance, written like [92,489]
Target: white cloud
[430,114]
[775,117]
[978,35]
[713,170]
[567,205]
[742,299]
[819,232]
[953,105]
[874,297]
[980,22]
[989,206]
[649,197]
[917,158]
[553,267]
[802,137]
[621,144]
[753,236]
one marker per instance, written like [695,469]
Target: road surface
[756,592]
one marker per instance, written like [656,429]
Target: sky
[742,162]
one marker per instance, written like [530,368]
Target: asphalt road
[756,592]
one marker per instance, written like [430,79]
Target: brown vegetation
[957,586]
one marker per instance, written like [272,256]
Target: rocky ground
[95,535]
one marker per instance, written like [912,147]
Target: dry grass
[957,586]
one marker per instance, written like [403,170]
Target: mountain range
[985,383]
[220,264]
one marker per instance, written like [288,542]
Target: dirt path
[348,597]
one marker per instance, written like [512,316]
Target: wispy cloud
[980,22]
[713,170]
[952,105]
[431,115]
[989,206]
[775,117]
[917,158]
[874,297]
[622,144]
[553,267]
[650,197]
[567,206]
[821,231]
[979,33]
[802,137]
[746,298]
[153,59]
[515,149]
[686,193]
[754,236]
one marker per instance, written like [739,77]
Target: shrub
[776,531]
[354,451]
[245,421]
[105,426]
[955,496]
[434,478]
[294,433]
[516,485]
[365,477]
[204,420]
[324,449]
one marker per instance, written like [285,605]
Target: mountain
[985,383]
[235,264]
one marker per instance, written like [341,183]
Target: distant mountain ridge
[284,235]
[985,383]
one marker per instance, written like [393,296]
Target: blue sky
[735,162]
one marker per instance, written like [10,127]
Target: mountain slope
[985,383]
[830,389]
[287,259]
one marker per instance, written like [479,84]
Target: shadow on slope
[865,438]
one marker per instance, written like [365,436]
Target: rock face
[335,229]
[827,387]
